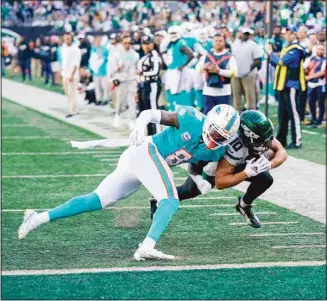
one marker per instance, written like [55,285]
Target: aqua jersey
[190,42]
[175,57]
[184,144]
[207,45]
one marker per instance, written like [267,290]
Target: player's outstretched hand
[137,136]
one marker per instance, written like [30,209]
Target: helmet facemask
[214,137]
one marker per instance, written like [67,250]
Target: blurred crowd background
[114,36]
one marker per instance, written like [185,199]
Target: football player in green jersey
[249,157]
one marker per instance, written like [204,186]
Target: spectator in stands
[24,59]
[315,69]
[71,59]
[98,66]
[124,79]
[248,59]
[218,67]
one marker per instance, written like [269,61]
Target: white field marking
[53,176]
[235,213]
[299,247]
[38,137]
[106,155]
[310,132]
[165,268]
[55,153]
[127,207]
[287,234]
[266,223]
[214,198]
[15,125]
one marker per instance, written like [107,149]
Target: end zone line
[286,234]
[299,247]
[164,268]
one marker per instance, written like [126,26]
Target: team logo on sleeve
[186,136]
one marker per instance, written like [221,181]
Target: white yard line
[299,247]
[52,176]
[266,223]
[237,214]
[287,234]
[129,207]
[42,137]
[164,268]
[57,153]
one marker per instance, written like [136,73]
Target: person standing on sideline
[315,68]
[149,87]
[248,58]
[289,81]
[98,65]
[71,59]
[218,66]
[46,61]
[123,64]
[24,59]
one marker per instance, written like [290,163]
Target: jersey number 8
[178,157]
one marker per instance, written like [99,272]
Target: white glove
[137,136]
[203,185]
[251,168]
[263,164]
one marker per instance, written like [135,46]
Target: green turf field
[205,231]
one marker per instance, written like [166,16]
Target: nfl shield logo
[186,136]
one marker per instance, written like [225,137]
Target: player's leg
[154,173]
[321,103]
[118,185]
[259,184]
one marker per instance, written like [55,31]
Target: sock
[149,243]
[80,204]
[44,217]
[162,217]
[243,204]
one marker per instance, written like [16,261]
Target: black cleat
[153,206]
[293,146]
[249,216]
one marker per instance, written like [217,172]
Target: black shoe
[105,102]
[69,115]
[153,206]
[293,146]
[312,124]
[249,216]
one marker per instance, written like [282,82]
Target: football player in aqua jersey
[249,157]
[190,137]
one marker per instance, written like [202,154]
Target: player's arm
[280,154]
[225,177]
[157,116]
[189,54]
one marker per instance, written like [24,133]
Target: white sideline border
[163,268]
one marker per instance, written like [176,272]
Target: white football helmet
[174,32]
[221,126]
[202,35]
[186,29]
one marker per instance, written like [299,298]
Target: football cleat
[144,253]
[249,216]
[153,206]
[30,222]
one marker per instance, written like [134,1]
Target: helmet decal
[248,133]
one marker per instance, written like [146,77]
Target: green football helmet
[256,131]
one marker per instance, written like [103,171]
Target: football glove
[137,136]
[251,168]
[263,164]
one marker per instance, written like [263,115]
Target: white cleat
[117,121]
[143,253]
[29,223]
